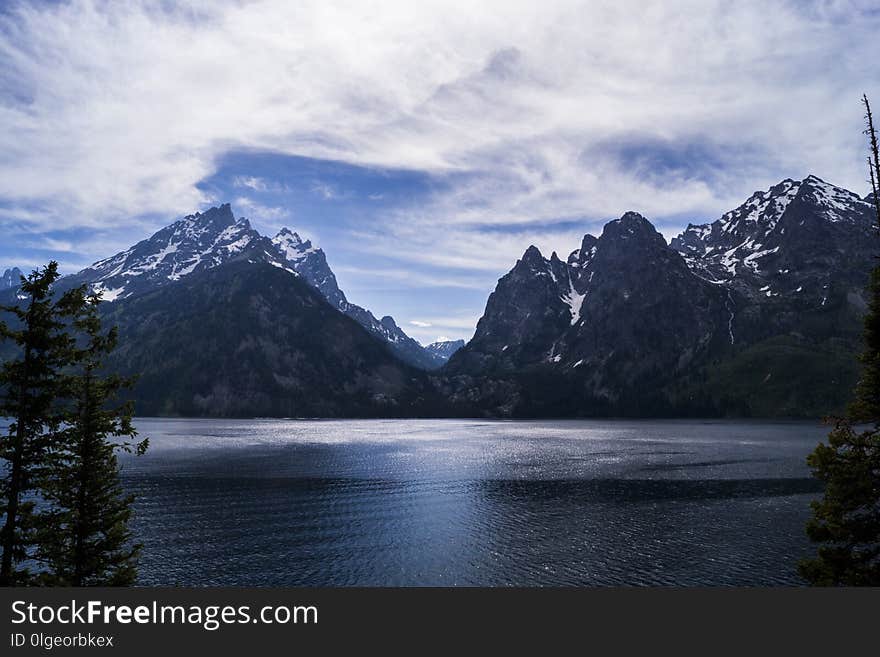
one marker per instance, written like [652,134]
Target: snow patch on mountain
[107,294]
[293,247]
[574,301]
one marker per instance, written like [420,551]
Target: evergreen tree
[30,385]
[866,407]
[874,156]
[84,539]
[846,521]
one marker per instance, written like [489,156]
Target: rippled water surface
[454,502]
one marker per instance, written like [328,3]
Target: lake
[471,503]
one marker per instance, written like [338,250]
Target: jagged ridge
[729,318]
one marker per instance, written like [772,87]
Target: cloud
[62,246]
[521,113]
[257,211]
[255,183]
[325,191]
[449,327]
[378,276]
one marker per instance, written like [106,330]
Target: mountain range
[757,313]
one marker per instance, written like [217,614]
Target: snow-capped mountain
[11,278]
[443,349]
[759,311]
[206,240]
[194,244]
[787,242]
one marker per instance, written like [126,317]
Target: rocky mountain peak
[294,248]
[579,257]
[216,218]
[835,203]
[192,244]
[533,259]
[631,226]
[211,239]
[588,242]
[601,315]
[11,278]
[628,318]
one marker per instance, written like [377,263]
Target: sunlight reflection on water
[460,502]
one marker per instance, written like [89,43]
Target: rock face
[250,339]
[443,349]
[617,320]
[756,313]
[802,247]
[310,262]
[11,278]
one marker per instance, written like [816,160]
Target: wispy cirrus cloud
[255,210]
[379,276]
[325,191]
[111,107]
[255,183]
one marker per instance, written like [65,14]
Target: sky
[423,145]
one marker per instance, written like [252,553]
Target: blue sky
[423,145]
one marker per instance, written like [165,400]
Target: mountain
[610,327]
[310,262]
[216,320]
[203,241]
[443,349]
[756,313]
[251,339]
[11,278]
[191,245]
[799,244]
